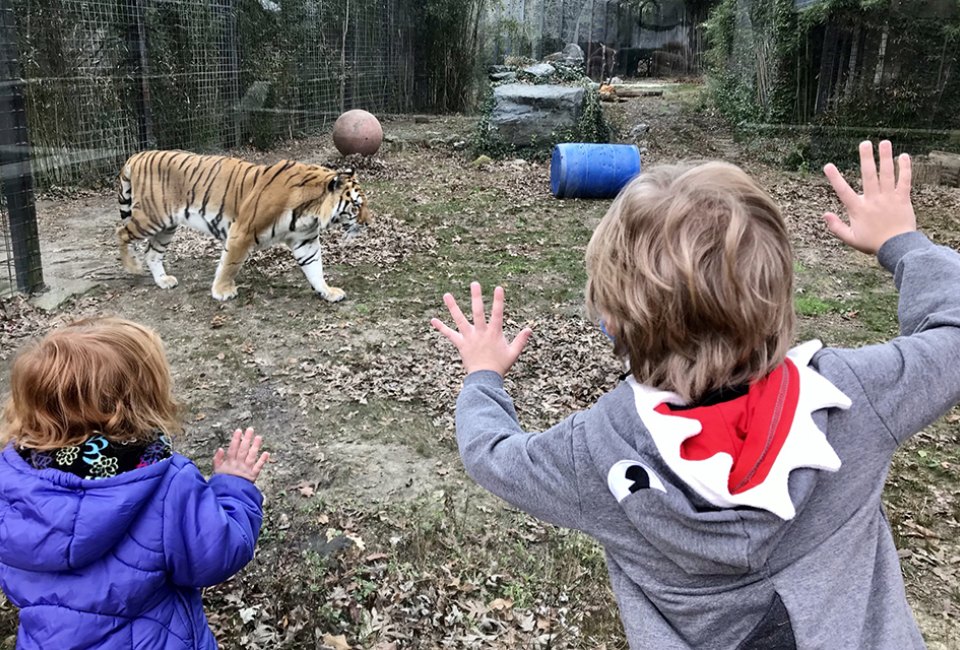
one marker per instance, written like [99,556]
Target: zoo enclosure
[88,82]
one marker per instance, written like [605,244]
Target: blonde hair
[692,271]
[101,375]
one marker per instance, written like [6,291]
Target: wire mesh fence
[108,78]
[20,266]
[619,37]
[97,80]
[833,78]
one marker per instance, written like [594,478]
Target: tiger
[244,205]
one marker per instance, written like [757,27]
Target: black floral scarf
[98,458]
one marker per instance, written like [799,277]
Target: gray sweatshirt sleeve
[535,472]
[915,379]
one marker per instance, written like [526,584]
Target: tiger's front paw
[224,293]
[333,294]
[167,282]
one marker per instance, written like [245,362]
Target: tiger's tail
[124,194]
[124,234]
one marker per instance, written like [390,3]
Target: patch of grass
[813,306]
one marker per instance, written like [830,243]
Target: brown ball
[359,132]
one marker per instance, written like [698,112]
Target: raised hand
[243,458]
[883,210]
[482,345]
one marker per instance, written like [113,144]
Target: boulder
[573,55]
[503,76]
[524,114]
[542,70]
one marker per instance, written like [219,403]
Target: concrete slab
[59,290]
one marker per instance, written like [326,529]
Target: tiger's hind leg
[129,231]
[156,247]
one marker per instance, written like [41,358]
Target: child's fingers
[446,331]
[234,444]
[244,445]
[868,169]
[888,181]
[251,456]
[840,230]
[458,318]
[496,311]
[218,458]
[520,342]
[264,458]
[476,301]
[840,185]
[906,176]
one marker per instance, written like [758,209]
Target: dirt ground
[374,537]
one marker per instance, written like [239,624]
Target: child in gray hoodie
[734,483]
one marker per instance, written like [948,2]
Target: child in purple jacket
[107,535]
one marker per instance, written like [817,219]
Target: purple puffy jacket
[119,562]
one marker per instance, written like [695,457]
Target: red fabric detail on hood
[751,428]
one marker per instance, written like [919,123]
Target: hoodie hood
[55,521]
[714,487]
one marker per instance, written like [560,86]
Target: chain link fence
[88,82]
[628,38]
[822,76]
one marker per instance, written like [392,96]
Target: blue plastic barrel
[592,171]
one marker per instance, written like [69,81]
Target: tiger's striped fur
[244,205]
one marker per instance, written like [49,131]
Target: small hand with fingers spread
[243,458]
[883,210]
[482,345]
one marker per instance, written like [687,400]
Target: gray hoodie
[803,557]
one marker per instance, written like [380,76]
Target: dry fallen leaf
[305,489]
[338,642]
[500,604]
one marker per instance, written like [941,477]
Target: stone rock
[616,80]
[948,165]
[524,113]
[667,63]
[573,55]
[503,76]
[639,130]
[542,70]
[482,161]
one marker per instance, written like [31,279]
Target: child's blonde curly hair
[692,271]
[102,375]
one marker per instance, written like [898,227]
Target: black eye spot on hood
[629,477]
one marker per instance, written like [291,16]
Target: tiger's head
[348,204]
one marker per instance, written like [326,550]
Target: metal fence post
[16,173]
[230,72]
[137,61]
